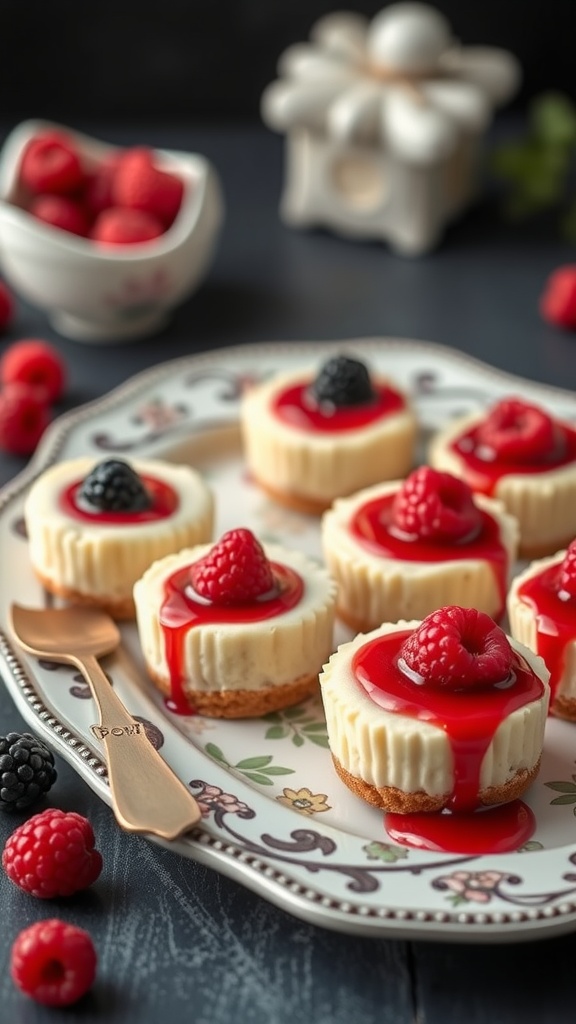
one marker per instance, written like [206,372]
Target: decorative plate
[275,815]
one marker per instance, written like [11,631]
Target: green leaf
[319,741]
[553,119]
[562,787]
[254,762]
[276,732]
[275,769]
[213,751]
[298,740]
[272,716]
[566,799]
[315,727]
[260,779]
[294,713]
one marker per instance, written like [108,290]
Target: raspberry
[567,571]
[113,486]
[235,570]
[98,187]
[435,506]
[36,363]
[53,962]
[51,163]
[515,431]
[6,306]
[60,212]
[558,300]
[342,381]
[52,854]
[27,771]
[24,416]
[141,185]
[117,226]
[456,648]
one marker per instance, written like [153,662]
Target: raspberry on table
[6,306]
[60,212]
[516,431]
[435,506]
[140,184]
[53,962]
[341,382]
[114,486]
[558,300]
[36,363]
[52,854]
[27,771]
[235,570]
[119,226]
[567,571]
[51,163]
[24,416]
[457,648]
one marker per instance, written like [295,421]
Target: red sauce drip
[371,526]
[483,474]
[555,620]
[501,829]
[182,610]
[296,408]
[164,499]
[469,717]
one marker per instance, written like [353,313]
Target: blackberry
[342,381]
[27,771]
[113,486]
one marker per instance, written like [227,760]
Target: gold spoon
[146,794]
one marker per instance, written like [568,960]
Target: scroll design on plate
[162,418]
[302,841]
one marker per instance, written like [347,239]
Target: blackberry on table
[27,771]
[343,381]
[113,486]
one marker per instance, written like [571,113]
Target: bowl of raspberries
[106,239]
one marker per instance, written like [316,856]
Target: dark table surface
[177,941]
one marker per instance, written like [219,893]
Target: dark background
[175,59]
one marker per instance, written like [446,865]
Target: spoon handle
[146,794]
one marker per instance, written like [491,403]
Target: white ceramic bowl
[91,293]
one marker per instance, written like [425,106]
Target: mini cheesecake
[392,564]
[238,655]
[526,458]
[94,527]
[409,743]
[310,439]
[542,614]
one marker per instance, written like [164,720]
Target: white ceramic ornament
[384,121]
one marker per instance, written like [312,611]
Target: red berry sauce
[164,502]
[182,610]
[470,719]
[555,614]
[372,526]
[484,470]
[297,408]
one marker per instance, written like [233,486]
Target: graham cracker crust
[389,798]
[242,703]
[121,609]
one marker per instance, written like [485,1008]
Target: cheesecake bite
[542,613]
[309,439]
[94,527]
[236,629]
[446,713]
[522,455]
[400,550]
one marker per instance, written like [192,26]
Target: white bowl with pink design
[113,293]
